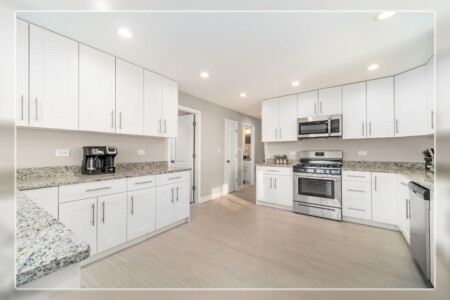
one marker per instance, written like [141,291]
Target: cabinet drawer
[357,176]
[169,178]
[357,200]
[91,189]
[274,170]
[141,182]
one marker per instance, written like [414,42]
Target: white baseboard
[371,223]
[212,196]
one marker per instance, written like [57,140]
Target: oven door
[318,189]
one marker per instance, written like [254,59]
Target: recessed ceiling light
[124,32]
[384,15]
[204,74]
[295,83]
[373,67]
[243,95]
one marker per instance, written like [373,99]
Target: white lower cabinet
[112,221]
[384,202]
[172,203]
[403,206]
[275,186]
[141,212]
[81,217]
[47,198]
[181,203]
[357,199]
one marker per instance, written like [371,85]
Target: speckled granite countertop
[271,163]
[43,245]
[34,178]
[413,171]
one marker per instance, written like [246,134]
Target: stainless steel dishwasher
[420,228]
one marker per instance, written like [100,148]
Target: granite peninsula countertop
[34,178]
[43,245]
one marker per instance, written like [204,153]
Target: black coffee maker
[98,160]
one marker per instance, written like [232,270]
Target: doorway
[231,156]
[184,151]
[248,154]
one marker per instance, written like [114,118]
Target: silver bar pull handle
[280,133]
[103,207]
[370,128]
[432,119]
[271,182]
[356,176]
[177,194]
[275,183]
[409,209]
[396,125]
[406,208]
[112,119]
[99,189]
[329,126]
[21,100]
[120,120]
[375,183]
[276,133]
[132,205]
[172,195]
[142,182]
[160,126]
[36,109]
[272,170]
[362,128]
[357,191]
[358,209]
[315,108]
[165,126]
[320,106]
[173,178]
[93,214]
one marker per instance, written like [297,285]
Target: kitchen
[98,163]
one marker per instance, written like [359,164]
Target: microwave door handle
[329,126]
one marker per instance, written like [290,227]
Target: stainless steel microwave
[319,127]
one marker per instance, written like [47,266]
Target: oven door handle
[334,178]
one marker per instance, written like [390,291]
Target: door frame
[198,150]
[236,160]
[252,153]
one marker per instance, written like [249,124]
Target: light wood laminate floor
[231,243]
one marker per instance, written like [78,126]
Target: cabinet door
[357,199]
[307,104]
[129,98]
[270,120]
[53,80]
[384,202]
[181,203]
[164,205]
[264,187]
[354,111]
[411,105]
[47,198]
[170,107]
[81,217]
[152,104]
[430,95]
[22,73]
[287,118]
[141,212]
[112,221]
[403,206]
[97,101]
[283,190]
[380,108]
[330,101]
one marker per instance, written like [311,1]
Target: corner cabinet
[279,119]
[53,80]
[22,56]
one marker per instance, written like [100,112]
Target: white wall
[406,149]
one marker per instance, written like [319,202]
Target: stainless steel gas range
[318,184]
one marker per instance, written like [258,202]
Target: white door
[231,155]
[264,187]
[53,80]
[411,105]
[47,198]
[384,200]
[97,101]
[287,118]
[181,203]
[22,73]
[112,221]
[81,217]
[270,120]
[129,98]
[141,212]
[165,198]
[283,187]
[330,101]
[380,108]
[169,107]
[354,111]
[307,104]
[430,95]
[152,104]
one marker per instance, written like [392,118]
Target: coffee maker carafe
[98,160]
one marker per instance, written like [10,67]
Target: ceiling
[259,53]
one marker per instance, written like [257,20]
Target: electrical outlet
[141,152]
[362,153]
[62,152]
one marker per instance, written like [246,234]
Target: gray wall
[36,147]
[405,149]
[213,137]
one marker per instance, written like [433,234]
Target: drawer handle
[404,184]
[177,194]
[99,189]
[173,178]
[358,191]
[358,209]
[357,176]
[272,170]
[142,182]
[132,205]
[103,206]
[93,214]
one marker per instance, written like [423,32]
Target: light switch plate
[362,153]
[62,152]
[141,152]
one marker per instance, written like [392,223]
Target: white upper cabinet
[129,98]
[169,107]
[22,73]
[354,111]
[411,105]
[430,96]
[330,101]
[152,104]
[380,108]
[307,104]
[279,119]
[97,90]
[384,198]
[53,80]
